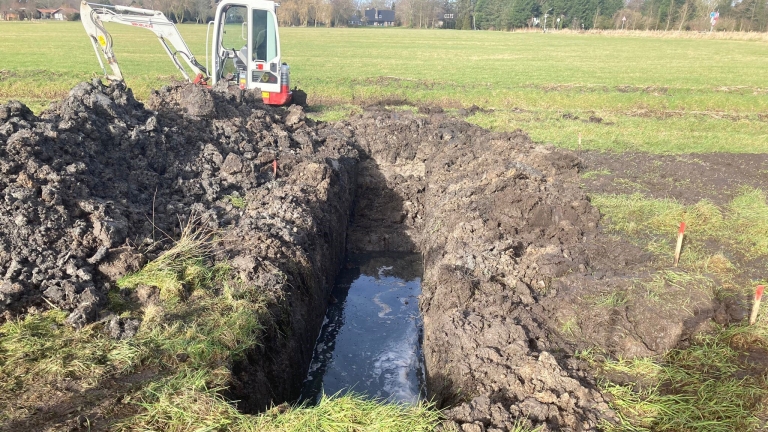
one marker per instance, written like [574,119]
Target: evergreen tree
[664,11]
[464,19]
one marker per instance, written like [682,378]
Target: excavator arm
[95,15]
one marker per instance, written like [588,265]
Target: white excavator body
[245,45]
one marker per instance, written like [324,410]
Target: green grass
[570,327]
[205,320]
[612,300]
[652,94]
[750,216]
[702,388]
[743,224]
[707,386]
[237,201]
[596,173]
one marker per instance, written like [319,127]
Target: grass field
[661,95]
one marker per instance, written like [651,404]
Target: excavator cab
[247,49]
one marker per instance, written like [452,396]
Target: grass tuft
[743,224]
[612,300]
[596,173]
[183,267]
[237,201]
[749,229]
[704,387]
[41,348]
[187,344]
[350,412]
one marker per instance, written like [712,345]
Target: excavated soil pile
[91,188]
[513,249]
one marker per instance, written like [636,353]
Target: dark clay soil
[93,185]
[688,178]
[514,253]
[518,273]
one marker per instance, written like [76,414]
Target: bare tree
[288,13]
[303,8]
[669,13]
[342,11]
[201,9]
[683,15]
[179,8]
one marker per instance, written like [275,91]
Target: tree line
[734,15]
[667,15]
[738,15]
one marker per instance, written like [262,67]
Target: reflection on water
[370,341]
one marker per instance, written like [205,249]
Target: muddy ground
[688,178]
[98,185]
[513,250]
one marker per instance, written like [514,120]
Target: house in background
[380,17]
[45,13]
[66,13]
[355,21]
[59,14]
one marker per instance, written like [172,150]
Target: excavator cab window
[264,39]
[234,38]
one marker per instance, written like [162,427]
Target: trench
[370,340]
[491,231]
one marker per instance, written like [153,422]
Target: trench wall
[479,215]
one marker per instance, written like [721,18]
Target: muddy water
[370,341]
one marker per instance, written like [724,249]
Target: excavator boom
[94,16]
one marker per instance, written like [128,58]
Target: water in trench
[370,341]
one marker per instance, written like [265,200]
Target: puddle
[370,341]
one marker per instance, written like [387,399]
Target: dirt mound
[98,184]
[513,251]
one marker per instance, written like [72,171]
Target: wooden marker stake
[756,306]
[274,168]
[679,246]
[579,142]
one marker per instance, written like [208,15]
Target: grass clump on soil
[42,349]
[187,403]
[750,221]
[714,384]
[742,225]
[595,173]
[178,362]
[182,267]
[237,201]
[350,413]
[707,386]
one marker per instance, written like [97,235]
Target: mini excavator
[245,45]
